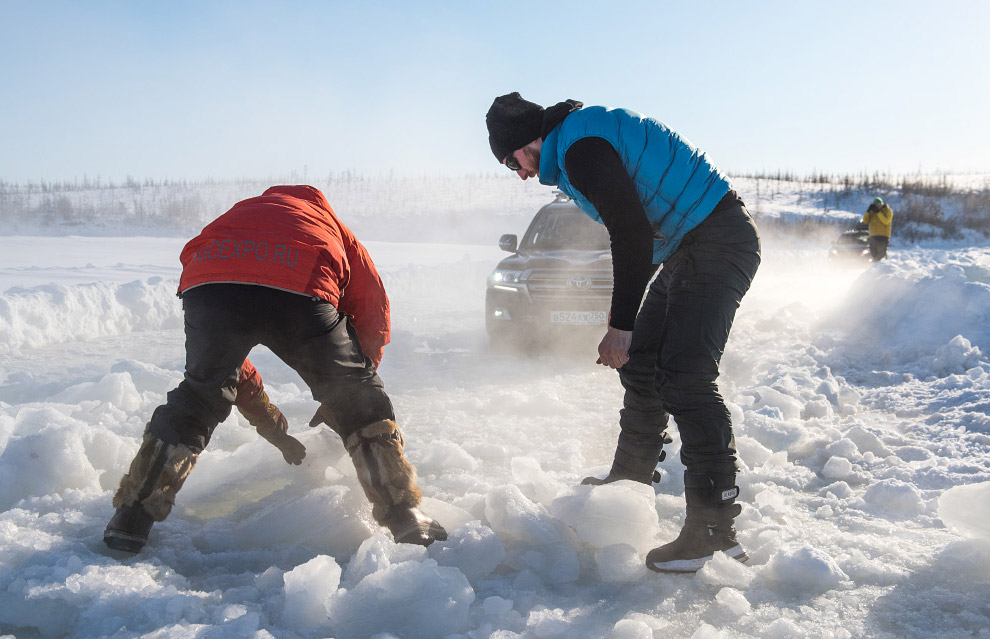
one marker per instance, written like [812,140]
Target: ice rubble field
[860,398]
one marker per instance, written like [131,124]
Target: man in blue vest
[663,203]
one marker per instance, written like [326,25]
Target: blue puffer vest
[675,181]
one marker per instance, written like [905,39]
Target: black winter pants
[878,247]
[223,322]
[678,340]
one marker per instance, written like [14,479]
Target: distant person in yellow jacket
[879,217]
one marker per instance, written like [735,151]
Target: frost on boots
[708,529]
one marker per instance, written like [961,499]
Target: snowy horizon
[859,397]
[477,209]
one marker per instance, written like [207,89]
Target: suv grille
[585,285]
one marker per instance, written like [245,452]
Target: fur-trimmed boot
[389,481]
[633,461]
[708,528]
[147,492]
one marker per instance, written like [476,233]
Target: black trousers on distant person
[878,247]
[678,340]
[223,322]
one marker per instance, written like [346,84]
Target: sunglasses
[512,163]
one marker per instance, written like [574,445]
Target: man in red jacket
[283,271]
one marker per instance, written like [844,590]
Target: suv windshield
[565,228]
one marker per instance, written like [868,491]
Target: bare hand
[613,351]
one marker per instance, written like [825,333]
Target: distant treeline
[478,208]
[470,208]
[943,206]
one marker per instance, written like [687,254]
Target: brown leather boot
[708,528]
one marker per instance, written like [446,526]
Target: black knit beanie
[512,124]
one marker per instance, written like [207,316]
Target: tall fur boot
[711,510]
[147,492]
[389,482]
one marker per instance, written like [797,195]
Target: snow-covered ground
[860,397]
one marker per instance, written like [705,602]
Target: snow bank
[803,569]
[473,548]
[386,588]
[51,314]
[108,297]
[966,509]
[308,588]
[421,600]
[602,516]
[535,540]
[945,294]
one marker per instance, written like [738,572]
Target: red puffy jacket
[290,239]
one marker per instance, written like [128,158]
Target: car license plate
[577,317]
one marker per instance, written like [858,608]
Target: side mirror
[508,242]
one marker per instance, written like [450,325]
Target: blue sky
[226,89]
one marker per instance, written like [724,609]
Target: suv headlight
[504,279]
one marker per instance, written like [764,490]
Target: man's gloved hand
[292,449]
[324,416]
[320,417]
[271,424]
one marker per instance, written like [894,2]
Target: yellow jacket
[880,221]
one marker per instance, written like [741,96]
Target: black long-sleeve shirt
[595,169]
